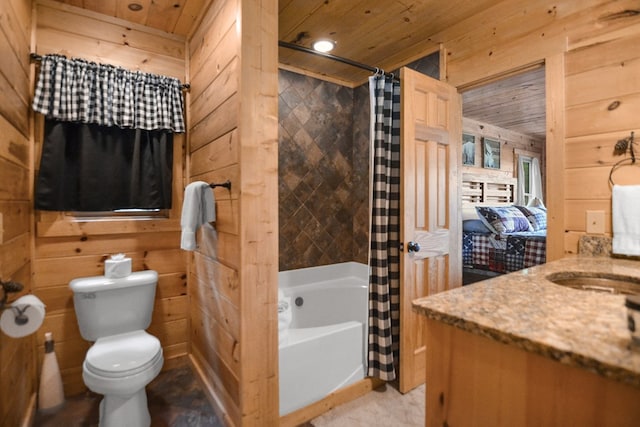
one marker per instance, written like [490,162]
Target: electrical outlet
[595,222]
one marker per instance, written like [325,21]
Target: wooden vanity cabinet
[472,380]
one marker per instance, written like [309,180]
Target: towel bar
[226,184]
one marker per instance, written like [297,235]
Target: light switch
[595,222]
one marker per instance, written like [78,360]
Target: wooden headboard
[486,190]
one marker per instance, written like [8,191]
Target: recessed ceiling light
[324,45]
[135,7]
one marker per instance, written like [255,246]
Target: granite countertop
[575,327]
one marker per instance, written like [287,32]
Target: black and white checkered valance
[76,90]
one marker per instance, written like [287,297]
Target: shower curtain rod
[335,58]
[38,58]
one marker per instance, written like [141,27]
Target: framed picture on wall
[468,149]
[491,153]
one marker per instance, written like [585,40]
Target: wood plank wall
[233,274]
[510,142]
[67,247]
[496,49]
[530,32]
[259,212]
[593,127]
[518,35]
[17,356]
[214,290]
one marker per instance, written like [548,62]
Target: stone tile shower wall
[317,191]
[324,169]
[361,160]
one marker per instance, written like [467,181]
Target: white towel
[625,213]
[198,207]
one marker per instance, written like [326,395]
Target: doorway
[504,128]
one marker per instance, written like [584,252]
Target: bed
[498,237]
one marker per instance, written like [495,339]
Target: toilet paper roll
[117,267]
[31,307]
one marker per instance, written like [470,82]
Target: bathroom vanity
[520,350]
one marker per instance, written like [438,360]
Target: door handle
[413,247]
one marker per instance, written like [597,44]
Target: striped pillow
[536,216]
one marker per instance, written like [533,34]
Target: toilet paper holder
[7,288]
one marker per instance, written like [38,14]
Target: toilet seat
[123,355]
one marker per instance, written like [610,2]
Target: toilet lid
[123,354]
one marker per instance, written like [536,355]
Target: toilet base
[131,411]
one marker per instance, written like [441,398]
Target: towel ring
[617,165]
[621,148]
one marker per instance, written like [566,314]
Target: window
[108,137]
[527,170]
[525,166]
[120,214]
[93,168]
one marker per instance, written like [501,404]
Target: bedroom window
[529,185]
[525,165]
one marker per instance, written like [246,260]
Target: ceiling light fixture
[134,7]
[324,45]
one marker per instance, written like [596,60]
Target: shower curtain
[384,256]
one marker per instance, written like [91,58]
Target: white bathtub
[326,345]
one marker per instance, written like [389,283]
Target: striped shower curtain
[384,257]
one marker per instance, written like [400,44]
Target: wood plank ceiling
[516,103]
[380,33]
[171,16]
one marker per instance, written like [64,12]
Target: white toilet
[114,313]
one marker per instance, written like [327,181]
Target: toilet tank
[107,306]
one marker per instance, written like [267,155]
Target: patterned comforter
[503,253]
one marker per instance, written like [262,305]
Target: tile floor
[384,407]
[176,399]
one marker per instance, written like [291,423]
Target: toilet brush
[51,393]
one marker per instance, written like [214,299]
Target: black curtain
[88,167]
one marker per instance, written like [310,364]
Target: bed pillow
[469,212]
[536,216]
[504,219]
[474,226]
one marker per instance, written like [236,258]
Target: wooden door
[431,133]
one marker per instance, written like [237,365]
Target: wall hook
[7,288]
